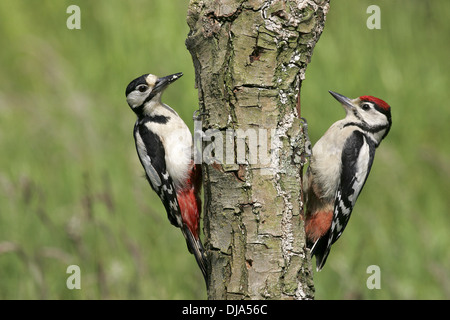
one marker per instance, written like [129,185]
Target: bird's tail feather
[320,249]
[196,248]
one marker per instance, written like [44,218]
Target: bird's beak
[346,102]
[163,82]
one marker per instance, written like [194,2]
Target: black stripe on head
[387,113]
[157,119]
[140,109]
[364,126]
[133,84]
[380,105]
[150,96]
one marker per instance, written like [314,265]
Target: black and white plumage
[164,145]
[340,164]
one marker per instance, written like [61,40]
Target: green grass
[71,186]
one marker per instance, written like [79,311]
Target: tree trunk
[250,58]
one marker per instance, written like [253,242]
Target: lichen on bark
[250,58]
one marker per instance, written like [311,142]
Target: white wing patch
[361,173]
[343,209]
[149,169]
[167,187]
[346,211]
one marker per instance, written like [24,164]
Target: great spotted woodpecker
[339,166]
[164,145]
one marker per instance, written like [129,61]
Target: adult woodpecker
[164,145]
[339,166]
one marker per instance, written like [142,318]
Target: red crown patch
[382,104]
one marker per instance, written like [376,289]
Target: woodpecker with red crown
[164,145]
[339,166]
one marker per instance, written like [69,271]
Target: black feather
[155,151]
[345,197]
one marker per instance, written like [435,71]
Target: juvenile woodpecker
[339,166]
[164,145]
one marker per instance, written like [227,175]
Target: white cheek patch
[135,98]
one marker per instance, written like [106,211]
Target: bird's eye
[365,106]
[142,88]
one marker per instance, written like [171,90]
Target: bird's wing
[357,159]
[151,154]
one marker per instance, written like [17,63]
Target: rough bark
[250,58]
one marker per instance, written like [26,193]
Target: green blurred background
[71,186]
